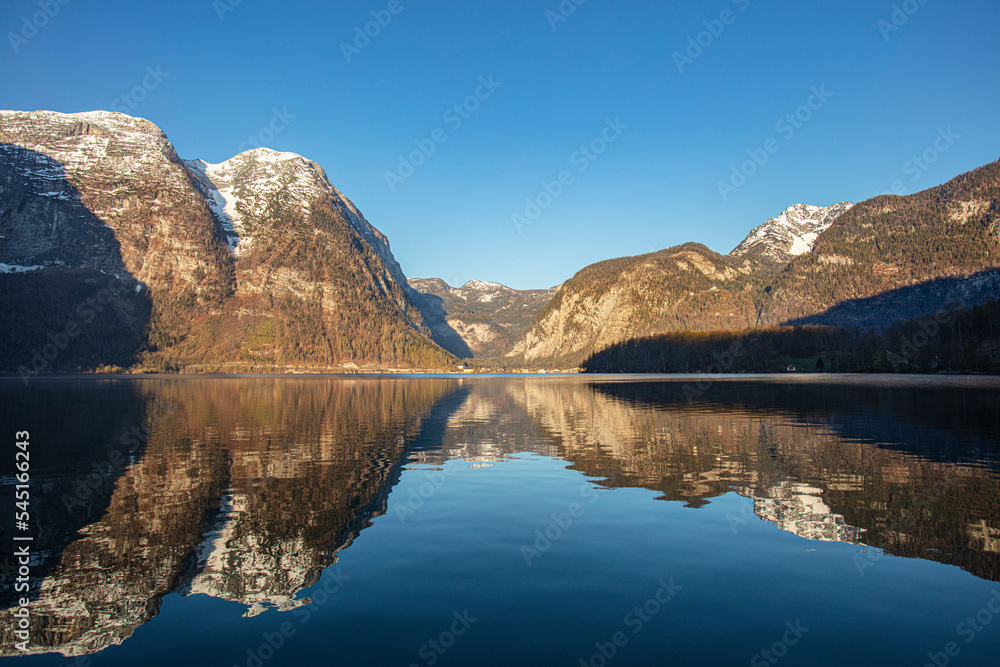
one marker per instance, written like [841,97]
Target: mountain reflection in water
[246,489]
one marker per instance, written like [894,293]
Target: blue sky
[660,133]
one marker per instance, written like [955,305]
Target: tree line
[959,339]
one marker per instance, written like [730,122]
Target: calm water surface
[507,521]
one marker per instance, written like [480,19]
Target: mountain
[872,264]
[893,258]
[791,234]
[680,287]
[956,340]
[115,251]
[478,319]
[687,286]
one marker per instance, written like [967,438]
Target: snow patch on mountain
[17,268]
[482,285]
[246,183]
[221,201]
[803,244]
[792,233]
[481,291]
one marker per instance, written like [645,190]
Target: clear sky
[892,83]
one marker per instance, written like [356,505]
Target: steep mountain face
[315,281]
[257,262]
[114,251]
[101,210]
[791,234]
[478,319]
[868,265]
[240,188]
[104,191]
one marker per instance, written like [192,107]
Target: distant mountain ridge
[480,318]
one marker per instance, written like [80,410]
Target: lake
[515,520]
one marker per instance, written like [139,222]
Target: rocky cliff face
[257,262]
[106,191]
[241,188]
[478,319]
[867,265]
[115,251]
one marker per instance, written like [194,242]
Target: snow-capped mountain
[792,233]
[251,180]
[481,291]
[260,263]
[261,247]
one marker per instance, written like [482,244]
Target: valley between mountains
[117,254]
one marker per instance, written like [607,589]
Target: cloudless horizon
[886,81]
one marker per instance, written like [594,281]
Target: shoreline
[962,379]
